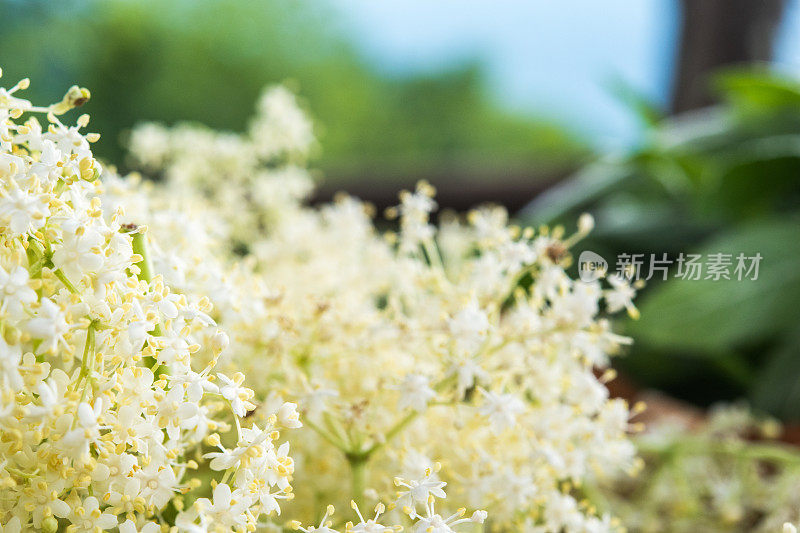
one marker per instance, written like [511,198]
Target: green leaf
[754,89]
[647,111]
[777,385]
[710,318]
[588,185]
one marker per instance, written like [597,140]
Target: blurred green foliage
[722,180]
[207,60]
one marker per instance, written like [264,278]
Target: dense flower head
[157,336]
[106,412]
[464,343]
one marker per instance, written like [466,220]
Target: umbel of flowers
[108,417]
[103,407]
[465,344]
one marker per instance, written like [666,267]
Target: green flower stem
[88,354]
[358,468]
[39,258]
[36,261]
[87,364]
[139,245]
[227,475]
[336,428]
[392,433]
[508,297]
[434,255]
[404,422]
[358,457]
[67,283]
[325,434]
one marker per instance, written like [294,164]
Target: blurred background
[676,123]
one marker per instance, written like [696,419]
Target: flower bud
[585,223]
[219,341]
[50,524]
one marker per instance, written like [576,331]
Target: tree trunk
[718,33]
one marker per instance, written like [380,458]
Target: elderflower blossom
[105,410]
[467,342]
[425,496]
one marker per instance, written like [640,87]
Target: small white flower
[431,522]
[225,458]
[420,490]
[502,409]
[90,518]
[415,392]
[468,374]
[76,442]
[49,325]
[225,509]
[317,400]
[585,223]
[620,296]
[15,294]
[80,252]
[417,204]
[10,358]
[173,410]
[219,341]
[369,525]
[469,326]
[12,526]
[280,126]
[238,396]
[288,417]
[514,255]
[196,384]
[159,484]
[51,399]
[22,212]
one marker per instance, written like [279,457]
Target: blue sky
[556,59]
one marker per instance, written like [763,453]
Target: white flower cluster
[104,408]
[413,495]
[256,180]
[465,343]
[727,473]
